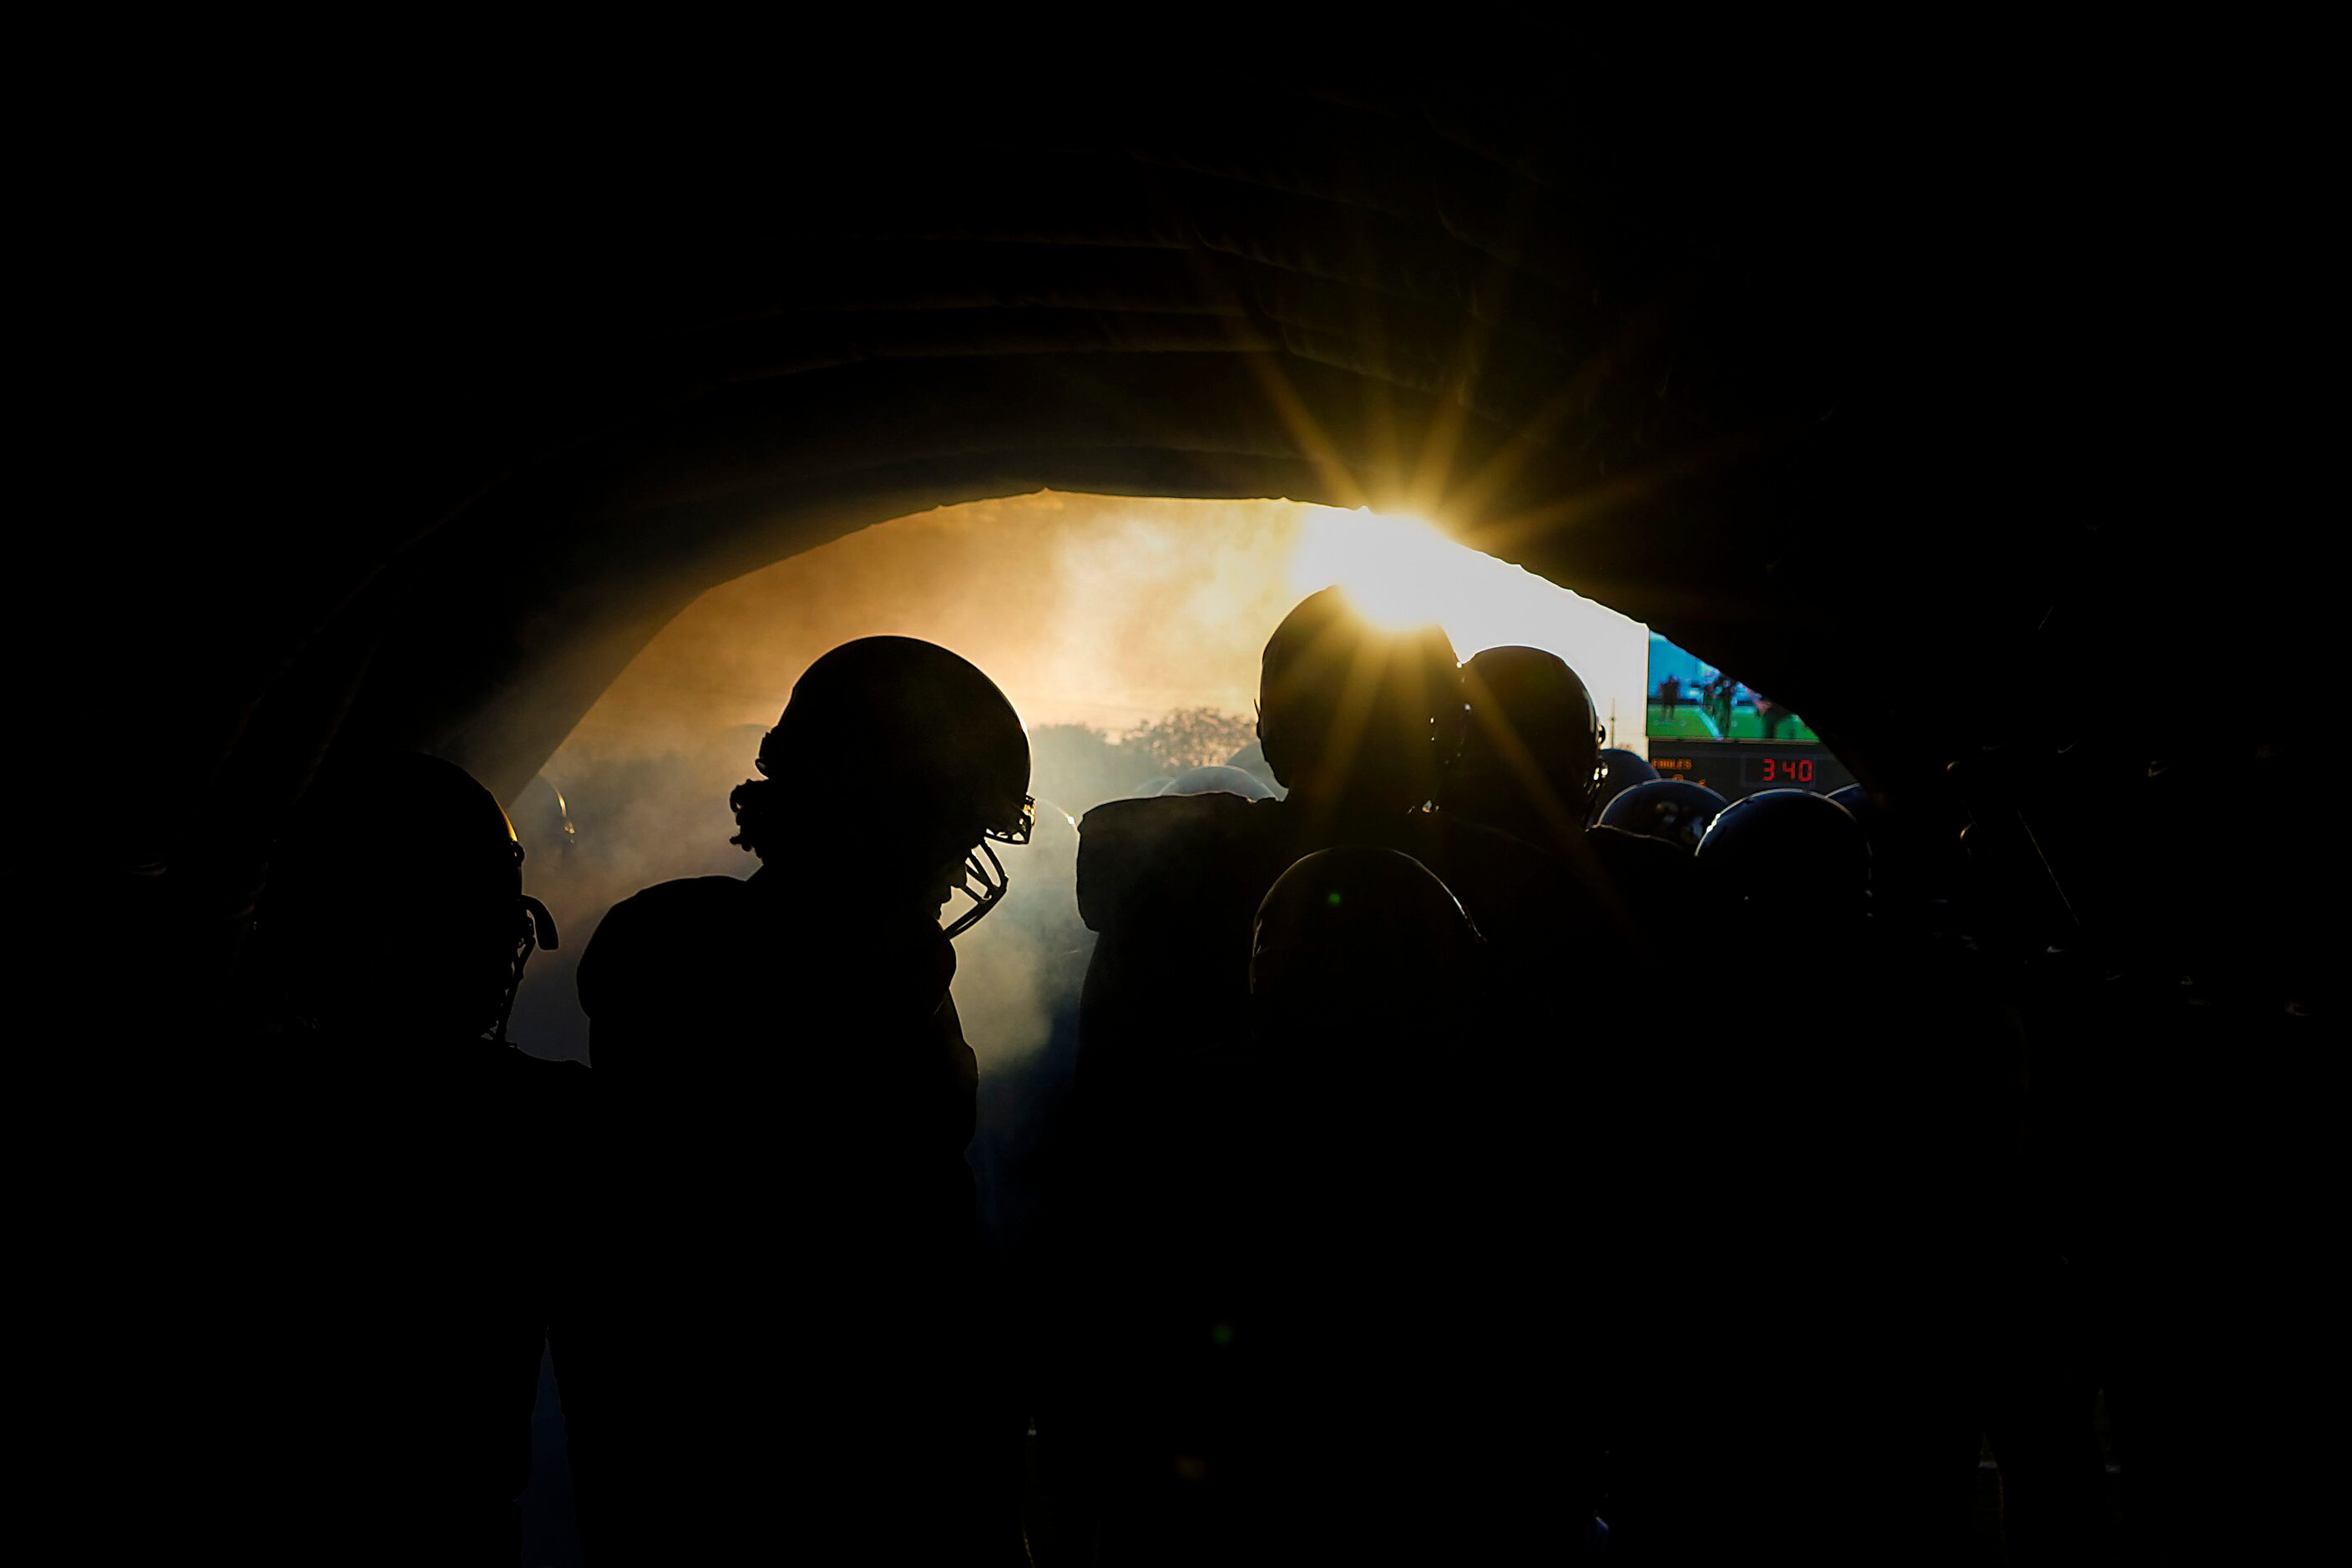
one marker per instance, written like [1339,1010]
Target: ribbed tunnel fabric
[1724,349]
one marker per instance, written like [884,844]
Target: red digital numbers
[1800,769]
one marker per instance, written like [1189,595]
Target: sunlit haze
[1096,610]
[1087,610]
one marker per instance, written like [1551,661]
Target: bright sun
[1401,571]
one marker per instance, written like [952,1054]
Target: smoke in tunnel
[1098,616]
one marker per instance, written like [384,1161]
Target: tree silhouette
[1188,738]
[1077,766]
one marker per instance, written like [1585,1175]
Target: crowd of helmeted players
[1383,1224]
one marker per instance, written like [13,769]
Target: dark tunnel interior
[1774,391]
[1991,356]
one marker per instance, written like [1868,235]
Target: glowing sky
[1091,609]
[1094,609]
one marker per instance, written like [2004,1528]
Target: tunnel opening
[1128,633]
[1125,630]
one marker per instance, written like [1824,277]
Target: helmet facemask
[535,930]
[984,880]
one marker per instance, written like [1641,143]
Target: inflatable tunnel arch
[1744,353]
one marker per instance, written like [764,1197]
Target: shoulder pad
[1619,850]
[1133,851]
[644,937]
[1495,876]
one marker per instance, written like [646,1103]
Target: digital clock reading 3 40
[1796,771]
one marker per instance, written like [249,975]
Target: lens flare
[1402,572]
[1394,569]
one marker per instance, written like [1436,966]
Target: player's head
[1791,850]
[1530,756]
[1355,944]
[928,747]
[1251,760]
[1218,778]
[1675,811]
[1352,714]
[1620,770]
[395,905]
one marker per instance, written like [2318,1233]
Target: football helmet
[1218,778]
[1370,716]
[1674,810]
[1793,845]
[923,739]
[1251,760]
[431,927]
[1620,770]
[1531,753]
[1359,942]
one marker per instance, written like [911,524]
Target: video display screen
[1690,700]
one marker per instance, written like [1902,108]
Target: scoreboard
[1734,769]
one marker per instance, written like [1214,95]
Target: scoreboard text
[1733,769]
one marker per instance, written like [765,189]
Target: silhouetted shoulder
[1654,884]
[1463,840]
[1506,884]
[1624,854]
[687,898]
[649,936]
[743,938]
[1659,880]
[1138,854]
[559,1087]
